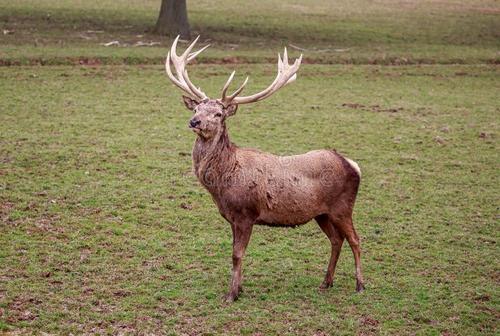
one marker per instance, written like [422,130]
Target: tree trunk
[173,19]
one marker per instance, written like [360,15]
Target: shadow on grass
[78,35]
[380,28]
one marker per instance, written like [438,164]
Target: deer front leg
[241,237]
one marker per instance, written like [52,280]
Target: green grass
[360,31]
[104,228]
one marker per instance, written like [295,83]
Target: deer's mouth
[195,129]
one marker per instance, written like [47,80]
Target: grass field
[354,31]
[105,230]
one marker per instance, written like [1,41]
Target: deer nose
[194,122]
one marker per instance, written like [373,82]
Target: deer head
[210,114]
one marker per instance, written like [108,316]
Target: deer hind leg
[346,226]
[336,240]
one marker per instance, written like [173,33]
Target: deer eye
[218,114]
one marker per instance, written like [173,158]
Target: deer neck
[213,158]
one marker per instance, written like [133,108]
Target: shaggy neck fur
[214,158]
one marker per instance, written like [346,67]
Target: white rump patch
[354,165]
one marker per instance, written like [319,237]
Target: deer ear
[189,102]
[230,110]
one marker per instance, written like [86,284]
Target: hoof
[325,285]
[360,287]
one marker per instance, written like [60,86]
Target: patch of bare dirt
[320,333]
[22,309]
[186,206]
[369,321]
[154,263]
[485,135]
[46,223]
[372,108]
[447,333]
[368,326]
[5,210]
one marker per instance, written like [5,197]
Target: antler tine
[299,60]
[180,62]
[226,86]
[225,100]
[238,91]
[186,52]
[286,74]
[193,55]
[285,57]
[280,63]
[173,49]
[284,67]
[295,64]
[170,75]
[192,87]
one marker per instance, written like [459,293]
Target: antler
[286,74]
[180,62]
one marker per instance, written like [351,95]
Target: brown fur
[252,187]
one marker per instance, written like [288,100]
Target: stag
[252,187]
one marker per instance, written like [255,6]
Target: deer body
[273,190]
[251,187]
